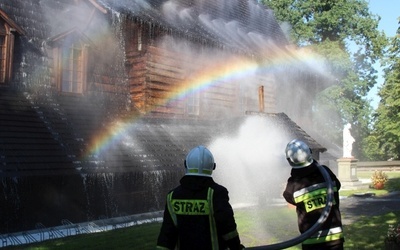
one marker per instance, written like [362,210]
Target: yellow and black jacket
[198,215]
[307,190]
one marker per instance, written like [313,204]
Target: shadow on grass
[368,217]
[369,232]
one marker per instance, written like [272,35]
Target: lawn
[268,227]
[393,184]
[256,227]
[370,232]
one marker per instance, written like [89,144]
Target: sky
[389,11]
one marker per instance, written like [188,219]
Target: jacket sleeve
[224,218]
[168,236]
[288,193]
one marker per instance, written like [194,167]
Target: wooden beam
[12,24]
[100,8]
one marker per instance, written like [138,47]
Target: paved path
[354,207]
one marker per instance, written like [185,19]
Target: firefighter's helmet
[298,154]
[200,162]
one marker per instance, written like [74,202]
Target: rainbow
[231,70]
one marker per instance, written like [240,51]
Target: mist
[250,159]
[251,163]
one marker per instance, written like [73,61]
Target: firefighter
[197,213]
[307,190]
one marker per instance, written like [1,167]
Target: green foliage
[386,133]
[372,149]
[393,184]
[331,28]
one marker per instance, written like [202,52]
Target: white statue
[347,141]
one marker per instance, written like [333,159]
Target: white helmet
[298,154]
[200,162]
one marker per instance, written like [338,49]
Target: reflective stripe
[171,210]
[230,235]
[325,236]
[195,207]
[213,226]
[313,197]
[329,231]
[194,171]
[162,248]
[309,189]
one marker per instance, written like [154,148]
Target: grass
[393,184]
[256,227]
[137,237]
[259,227]
[369,232]
[269,227]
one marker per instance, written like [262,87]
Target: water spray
[315,227]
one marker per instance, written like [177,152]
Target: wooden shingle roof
[25,140]
[29,16]
[13,25]
[226,23]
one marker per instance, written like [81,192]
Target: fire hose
[324,215]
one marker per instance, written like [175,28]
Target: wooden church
[100,100]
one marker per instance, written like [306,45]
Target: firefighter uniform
[198,216]
[197,213]
[307,190]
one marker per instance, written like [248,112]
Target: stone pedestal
[347,174]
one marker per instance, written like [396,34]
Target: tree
[333,28]
[386,132]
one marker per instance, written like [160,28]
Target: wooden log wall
[156,74]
